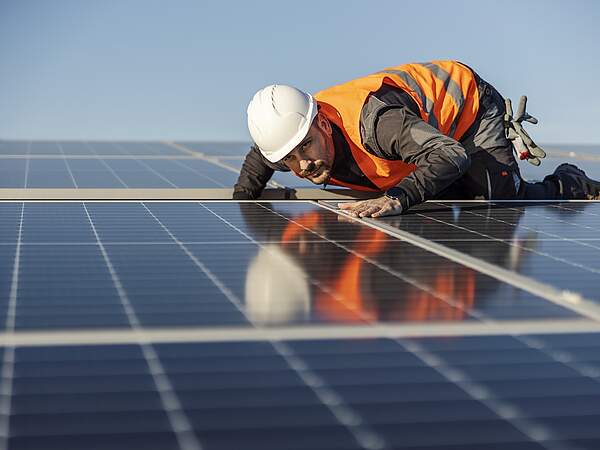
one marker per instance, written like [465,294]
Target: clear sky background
[183,69]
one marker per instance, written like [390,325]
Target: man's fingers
[348,205]
[371,208]
[369,211]
[522,107]
[382,212]
[537,151]
[387,211]
[359,210]
[508,106]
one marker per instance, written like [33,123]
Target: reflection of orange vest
[455,284]
[346,300]
[347,297]
[445,92]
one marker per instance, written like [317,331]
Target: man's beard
[321,170]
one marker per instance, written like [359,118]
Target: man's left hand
[375,207]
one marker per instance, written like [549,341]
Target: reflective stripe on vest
[445,92]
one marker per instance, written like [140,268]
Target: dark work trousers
[494,172]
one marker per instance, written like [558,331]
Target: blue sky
[145,69]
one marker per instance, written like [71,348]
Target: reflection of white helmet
[277,291]
[279,117]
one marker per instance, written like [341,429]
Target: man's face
[313,157]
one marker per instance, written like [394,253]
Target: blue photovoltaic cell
[113,173]
[484,392]
[552,242]
[219,270]
[105,165]
[219,148]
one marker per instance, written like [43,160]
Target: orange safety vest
[445,92]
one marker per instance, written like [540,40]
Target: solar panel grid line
[294,333]
[563,357]
[503,409]
[411,281]
[573,301]
[114,173]
[151,169]
[577,297]
[191,169]
[349,418]
[216,161]
[180,423]
[105,164]
[26,177]
[70,172]
[566,222]
[587,213]
[158,174]
[562,238]
[8,358]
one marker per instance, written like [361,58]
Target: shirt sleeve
[399,134]
[254,175]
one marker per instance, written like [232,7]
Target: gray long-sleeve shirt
[391,128]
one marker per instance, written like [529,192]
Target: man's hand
[375,207]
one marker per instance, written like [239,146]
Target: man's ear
[323,123]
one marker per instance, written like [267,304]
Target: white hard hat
[279,117]
[277,290]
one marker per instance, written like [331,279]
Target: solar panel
[60,165]
[167,258]
[524,392]
[555,242]
[285,325]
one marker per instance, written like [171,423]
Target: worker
[412,132]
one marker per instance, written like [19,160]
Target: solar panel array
[99,165]
[286,325]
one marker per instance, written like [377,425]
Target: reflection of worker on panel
[414,132]
[298,276]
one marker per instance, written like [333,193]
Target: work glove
[513,128]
